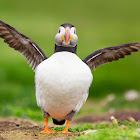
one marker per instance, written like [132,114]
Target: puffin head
[66,36]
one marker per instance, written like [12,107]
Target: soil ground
[121,116]
[19,129]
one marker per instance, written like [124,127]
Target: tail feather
[58,122]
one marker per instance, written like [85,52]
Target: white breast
[61,83]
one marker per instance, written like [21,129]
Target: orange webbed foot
[64,132]
[48,131]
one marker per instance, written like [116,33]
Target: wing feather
[110,54]
[28,48]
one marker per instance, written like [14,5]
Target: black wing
[110,54]
[28,48]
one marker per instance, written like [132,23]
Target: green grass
[112,134]
[107,131]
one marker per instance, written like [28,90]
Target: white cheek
[58,39]
[74,39]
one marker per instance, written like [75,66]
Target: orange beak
[67,35]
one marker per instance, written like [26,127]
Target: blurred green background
[99,24]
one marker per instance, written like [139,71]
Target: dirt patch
[121,116]
[19,129]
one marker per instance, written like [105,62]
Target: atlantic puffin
[62,81]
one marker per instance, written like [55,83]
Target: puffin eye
[74,31]
[58,30]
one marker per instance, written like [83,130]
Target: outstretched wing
[110,54]
[28,48]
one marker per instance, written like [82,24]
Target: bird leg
[65,131]
[47,130]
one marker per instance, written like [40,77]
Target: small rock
[114,120]
[88,131]
[123,126]
[131,119]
